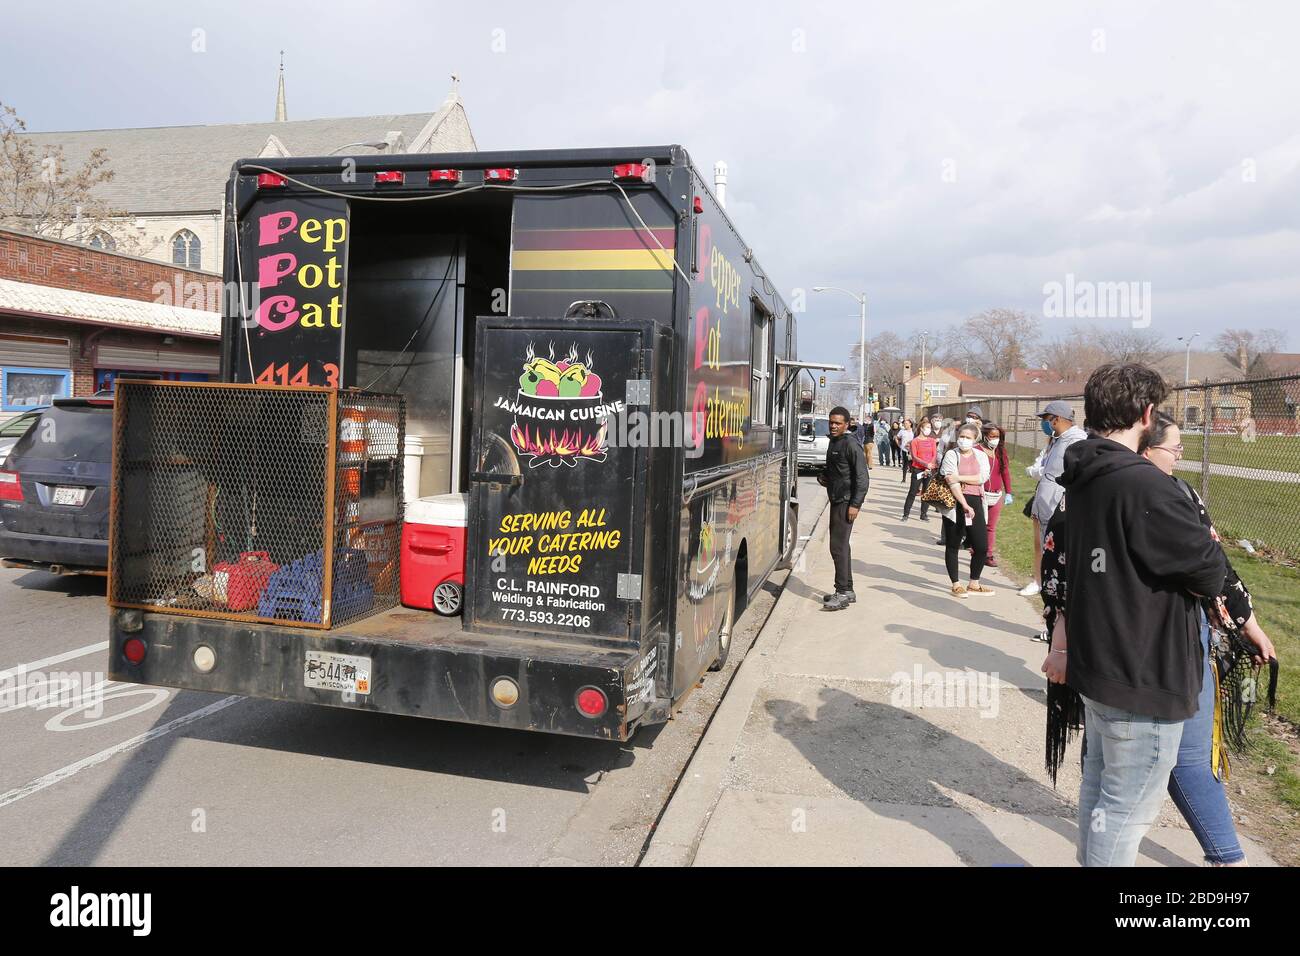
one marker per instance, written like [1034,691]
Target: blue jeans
[1200,798]
[1125,773]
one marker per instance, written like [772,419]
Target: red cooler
[433,553]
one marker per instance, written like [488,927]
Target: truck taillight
[630,171]
[444,175]
[591,702]
[699,205]
[133,650]
[500,175]
[390,177]
[270,180]
[11,488]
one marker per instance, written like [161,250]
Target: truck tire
[725,631]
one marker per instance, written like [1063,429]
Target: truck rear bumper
[447,679]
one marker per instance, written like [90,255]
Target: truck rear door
[557,503]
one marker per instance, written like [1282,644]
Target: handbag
[937,492]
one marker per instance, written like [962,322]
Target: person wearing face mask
[924,463]
[997,491]
[966,469]
[905,436]
[1057,419]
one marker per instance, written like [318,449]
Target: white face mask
[965,444]
[993,442]
[925,429]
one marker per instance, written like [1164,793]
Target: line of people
[962,472]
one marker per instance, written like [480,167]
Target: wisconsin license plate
[341,672]
[64,495]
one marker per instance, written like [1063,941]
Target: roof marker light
[270,181]
[390,177]
[630,171]
[444,175]
[501,174]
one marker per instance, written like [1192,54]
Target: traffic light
[822,381]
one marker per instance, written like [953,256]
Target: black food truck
[578,342]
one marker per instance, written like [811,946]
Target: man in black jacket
[845,478]
[1138,557]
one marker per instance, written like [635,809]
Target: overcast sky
[945,157]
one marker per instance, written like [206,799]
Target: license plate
[341,672]
[64,495]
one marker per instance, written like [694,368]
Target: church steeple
[281,114]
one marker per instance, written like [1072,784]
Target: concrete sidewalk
[906,730]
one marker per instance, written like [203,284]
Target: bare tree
[1076,354]
[1071,356]
[989,345]
[888,353]
[1244,347]
[1131,345]
[41,194]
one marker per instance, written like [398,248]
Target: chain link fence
[253,503]
[1241,451]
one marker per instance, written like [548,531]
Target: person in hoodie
[846,480]
[1139,561]
[1197,782]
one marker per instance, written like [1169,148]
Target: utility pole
[862,359]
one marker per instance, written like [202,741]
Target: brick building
[73,318]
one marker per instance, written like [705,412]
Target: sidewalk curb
[677,837]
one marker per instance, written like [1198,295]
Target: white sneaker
[1030,589]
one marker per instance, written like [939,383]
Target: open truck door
[557,503]
[562,494]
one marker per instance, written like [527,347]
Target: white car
[814,439]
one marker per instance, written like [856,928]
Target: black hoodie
[1136,553]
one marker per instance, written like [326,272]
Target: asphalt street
[97,772]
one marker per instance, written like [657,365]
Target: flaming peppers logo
[560,413]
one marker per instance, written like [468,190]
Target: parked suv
[814,439]
[54,490]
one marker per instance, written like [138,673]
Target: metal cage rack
[256,503]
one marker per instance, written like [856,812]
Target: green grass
[1285,780]
[1015,535]
[1271,452]
[1274,587]
[1264,512]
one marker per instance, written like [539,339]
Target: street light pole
[1187,360]
[862,358]
[921,397]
